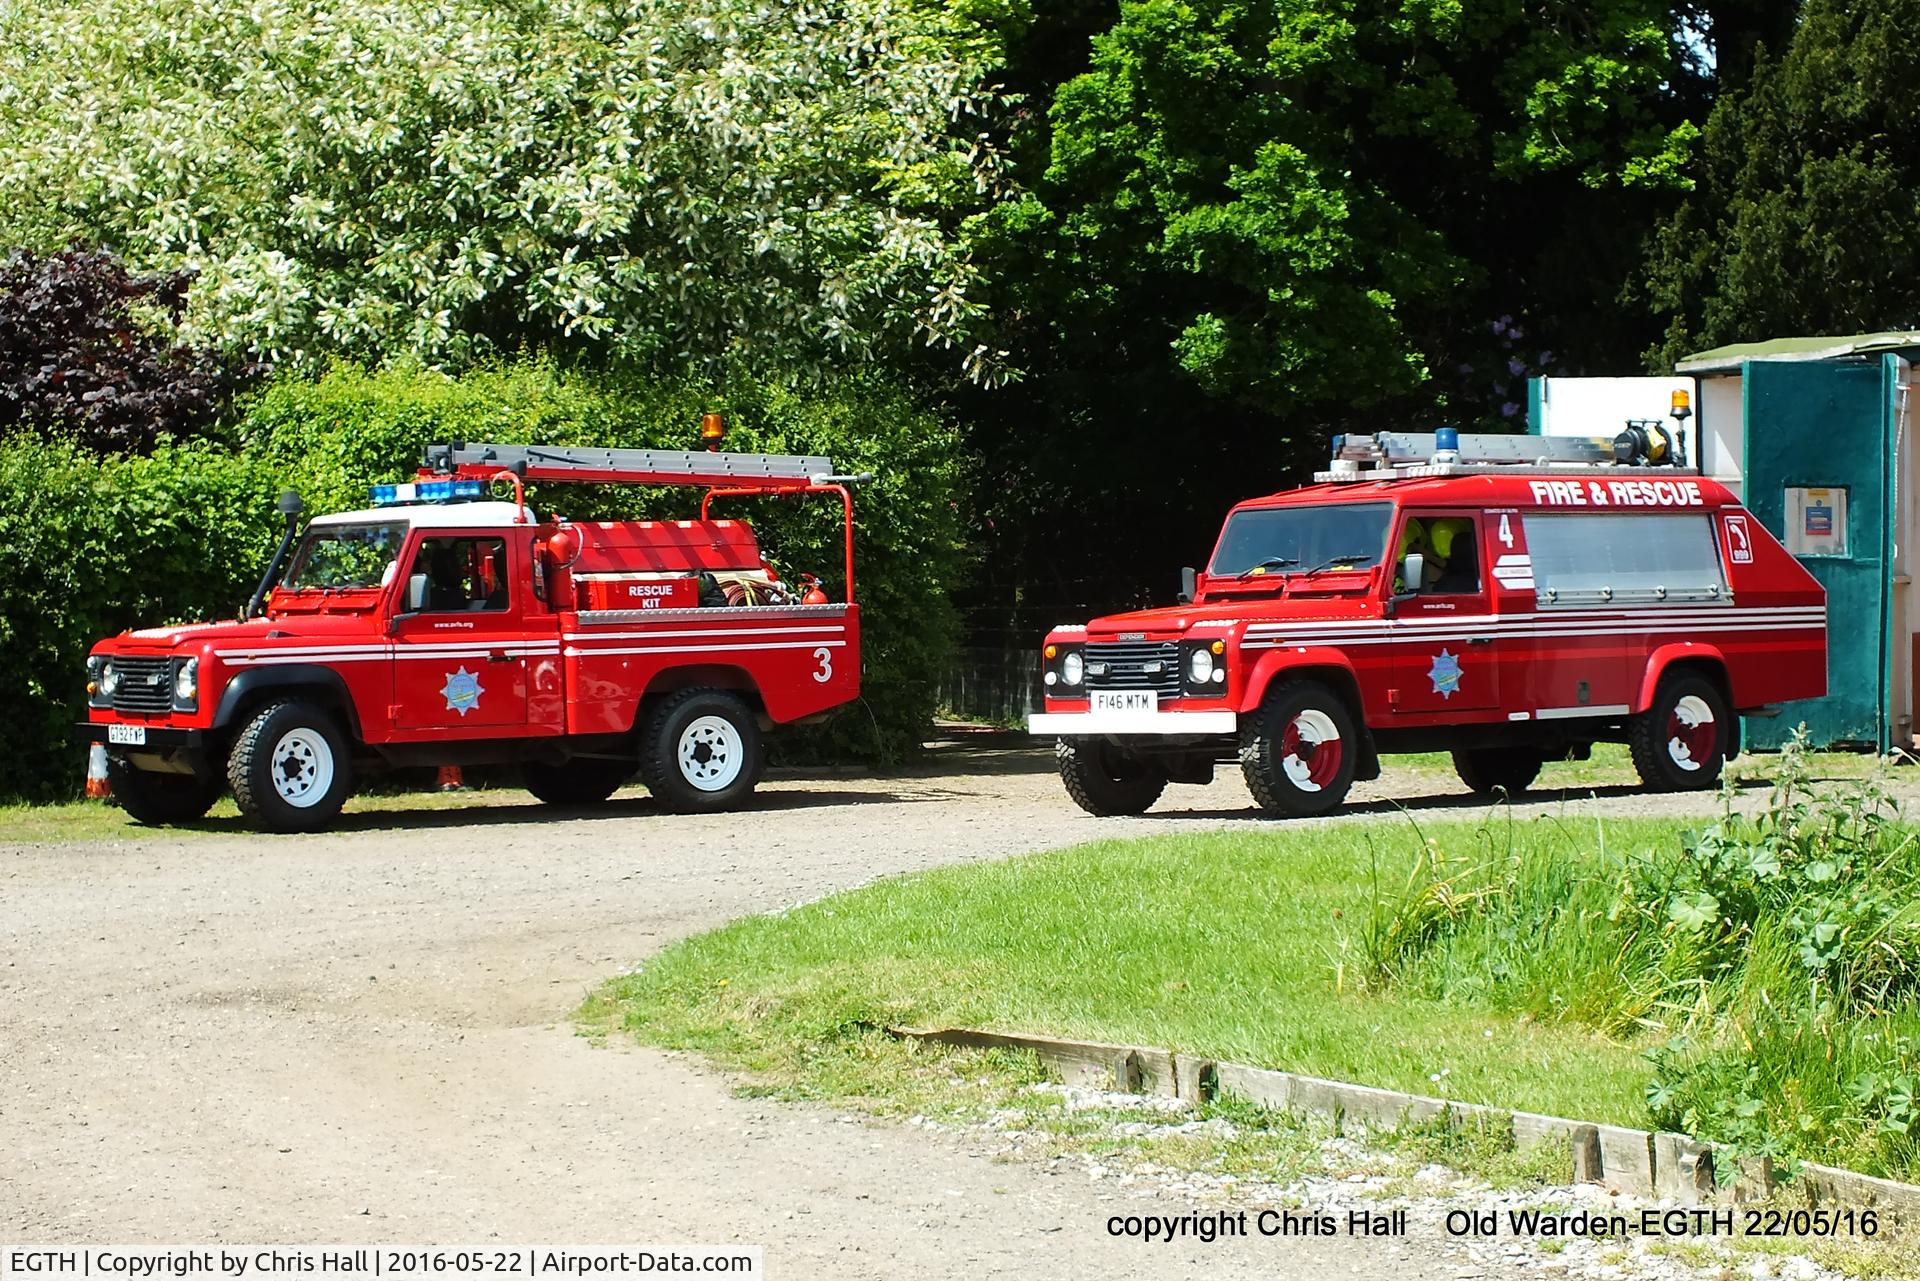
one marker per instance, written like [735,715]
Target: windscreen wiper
[1271,562]
[1331,561]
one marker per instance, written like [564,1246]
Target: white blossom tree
[773,183]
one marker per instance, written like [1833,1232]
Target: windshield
[345,557]
[1293,540]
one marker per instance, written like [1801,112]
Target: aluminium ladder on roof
[632,466]
[1395,448]
[1411,456]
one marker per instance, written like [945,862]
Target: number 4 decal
[824,657]
[1506,530]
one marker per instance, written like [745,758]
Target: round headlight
[186,681]
[1072,668]
[109,678]
[1200,666]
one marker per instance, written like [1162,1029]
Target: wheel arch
[250,689]
[1683,656]
[722,676]
[1320,663]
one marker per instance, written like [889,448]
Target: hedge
[89,546]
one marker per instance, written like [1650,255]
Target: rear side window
[1624,560]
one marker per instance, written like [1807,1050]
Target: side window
[1450,546]
[1627,560]
[1455,559]
[463,574]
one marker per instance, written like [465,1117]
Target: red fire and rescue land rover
[450,625]
[1512,600]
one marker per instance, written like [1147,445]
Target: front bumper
[1074,724]
[157,738]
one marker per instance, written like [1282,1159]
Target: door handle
[498,656]
[1479,640]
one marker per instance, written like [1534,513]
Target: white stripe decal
[1568,713]
[705,649]
[1435,638]
[1669,618]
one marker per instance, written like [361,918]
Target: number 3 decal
[825,658]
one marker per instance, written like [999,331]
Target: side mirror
[1189,584]
[417,585]
[1413,572]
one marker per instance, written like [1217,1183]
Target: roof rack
[630,466]
[1416,455]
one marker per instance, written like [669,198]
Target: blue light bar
[468,489]
[428,491]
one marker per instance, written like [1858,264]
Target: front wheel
[1487,770]
[1105,781]
[1680,742]
[289,768]
[701,751]
[1298,753]
[158,799]
[585,780]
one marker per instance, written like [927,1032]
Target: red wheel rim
[1311,751]
[1692,733]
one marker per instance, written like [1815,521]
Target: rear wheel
[289,768]
[1680,742]
[1105,781]
[158,799]
[1488,770]
[585,780]
[701,751]
[1299,751]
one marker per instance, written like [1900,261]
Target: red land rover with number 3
[1512,600]
[447,626]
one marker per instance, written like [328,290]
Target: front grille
[146,685]
[1128,664]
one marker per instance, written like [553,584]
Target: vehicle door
[1445,639]
[461,643]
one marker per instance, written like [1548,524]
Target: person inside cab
[1454,565]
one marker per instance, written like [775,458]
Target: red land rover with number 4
[446,625]
[1510,599]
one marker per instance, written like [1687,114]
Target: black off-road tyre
[1491,770]
[700,751]
[1299,751]
[159,799]
[1105,781]
[290,768]
[585,780]
[1674,749]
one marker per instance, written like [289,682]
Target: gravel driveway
[362,1037]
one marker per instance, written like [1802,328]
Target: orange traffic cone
[98,789]
[450,779]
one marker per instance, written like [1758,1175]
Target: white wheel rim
[302,767]
[712,753]
[1691,715]
[1312,728]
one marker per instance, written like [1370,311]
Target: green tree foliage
[1806,219]
[82,349]
[90,546]
[1301,181]
[1249,224]
[676,181]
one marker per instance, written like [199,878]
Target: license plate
[127,735]
[1125,700]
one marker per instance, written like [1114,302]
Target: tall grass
[1774,957]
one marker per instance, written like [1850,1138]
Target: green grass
[1240,945]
